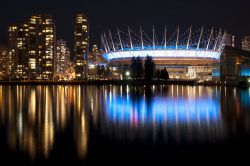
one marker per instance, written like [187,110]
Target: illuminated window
[32,63]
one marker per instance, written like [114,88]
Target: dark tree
[133,68]
[136,68]
[158,74]
[107,71]
[98,70]
[139,68]
[164,74]
[149,68]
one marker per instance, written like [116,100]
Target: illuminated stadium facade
[192,54]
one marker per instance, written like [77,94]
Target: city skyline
[114,82]
[109,14]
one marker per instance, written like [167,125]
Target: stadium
[189,54]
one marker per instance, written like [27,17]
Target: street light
[127,73]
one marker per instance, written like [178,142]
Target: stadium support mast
[199,42]
[142,43]
[113,45]
[217,40]
[153,37]
[223,40]
[189,36]
[177,39]
[106,42]
[165,37]
[210,37]
[103,43]
[130,39]
[120,38]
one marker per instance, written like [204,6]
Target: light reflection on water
[34,117]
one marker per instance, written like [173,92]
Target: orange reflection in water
[34,116]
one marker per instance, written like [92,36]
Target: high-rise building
[81,46]
[229,40]
[62,59]
[246,43]
[234,64]
[18,45]
[32,49]
[4,65]
[42,47]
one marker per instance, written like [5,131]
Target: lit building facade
[62,59]
[42,47]
[81,46]
[199,72]
[234,65]
[229,40]
[246,43]
[4,65]
[18,45]
[32,49]
[95,61]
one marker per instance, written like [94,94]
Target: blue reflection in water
[160,109]
[245,98]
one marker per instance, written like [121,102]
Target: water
[89,124]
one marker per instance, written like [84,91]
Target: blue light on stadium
[189,44]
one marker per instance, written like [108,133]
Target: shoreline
[120,82]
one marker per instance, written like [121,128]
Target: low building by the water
[234,65]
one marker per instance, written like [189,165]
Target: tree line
[148,71]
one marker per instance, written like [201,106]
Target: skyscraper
[246,43]
[42,47]
[81,46]
[229,40]
[18,45]
[32,49]
[4,65]
[62,59]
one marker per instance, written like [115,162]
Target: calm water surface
[88,124]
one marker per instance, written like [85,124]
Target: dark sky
[234,15]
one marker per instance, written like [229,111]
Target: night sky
[104,14]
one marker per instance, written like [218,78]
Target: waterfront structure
[246,43]
[32,49]
[176,52]
[199,72]
[62,59]
[81,46]
[234,65]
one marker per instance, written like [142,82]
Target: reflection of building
[62,59]
[4,64]
[81,47]
[246,43]
[172,113]
[32,48]
[235,64]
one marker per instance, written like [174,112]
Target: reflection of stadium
[176,52]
